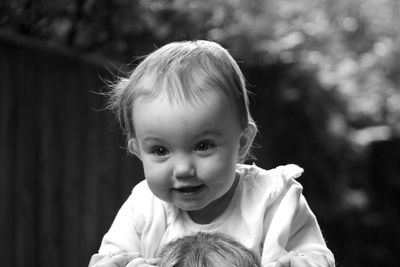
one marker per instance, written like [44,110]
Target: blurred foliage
[352,46]
[326,80]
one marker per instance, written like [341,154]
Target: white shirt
[267,213]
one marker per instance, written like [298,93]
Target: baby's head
[185,72]
[185,113]
[206,250]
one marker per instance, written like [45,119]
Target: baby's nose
[184,167]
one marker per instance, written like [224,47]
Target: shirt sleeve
[306,238]
[138,226]
[294,229]
[124,233]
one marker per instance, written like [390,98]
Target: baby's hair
[206,250]
[185,71]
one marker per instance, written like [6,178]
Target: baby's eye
[203,146]
[160,151]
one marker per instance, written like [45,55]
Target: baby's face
[189,151]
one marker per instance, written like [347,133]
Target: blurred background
[326,95]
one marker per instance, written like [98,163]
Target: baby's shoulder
[272,181]
[142,200]
[141,189]
[146,207]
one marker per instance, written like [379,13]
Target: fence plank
[7,157]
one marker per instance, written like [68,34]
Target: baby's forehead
[177,92]
[201,101]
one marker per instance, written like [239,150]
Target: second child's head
[184,110]
[206,250]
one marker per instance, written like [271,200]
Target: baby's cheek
[160,190]
[217,166]
[158,180]
[152,170]
[155,178]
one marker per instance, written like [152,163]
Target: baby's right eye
[160,151]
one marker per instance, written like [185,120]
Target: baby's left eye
[203,146]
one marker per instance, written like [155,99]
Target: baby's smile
[189,189]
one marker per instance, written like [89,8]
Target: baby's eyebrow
[213,133]
[148,139]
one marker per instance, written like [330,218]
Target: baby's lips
[189,189]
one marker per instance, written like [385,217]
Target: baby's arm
[120,239]
[138,226]
[306,242]
[294,237]
[121,260]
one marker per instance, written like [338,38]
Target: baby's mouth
[189,189]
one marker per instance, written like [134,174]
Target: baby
[184,110]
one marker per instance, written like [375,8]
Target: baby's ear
[133,147]
[246,140]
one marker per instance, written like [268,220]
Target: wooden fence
[63,170]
